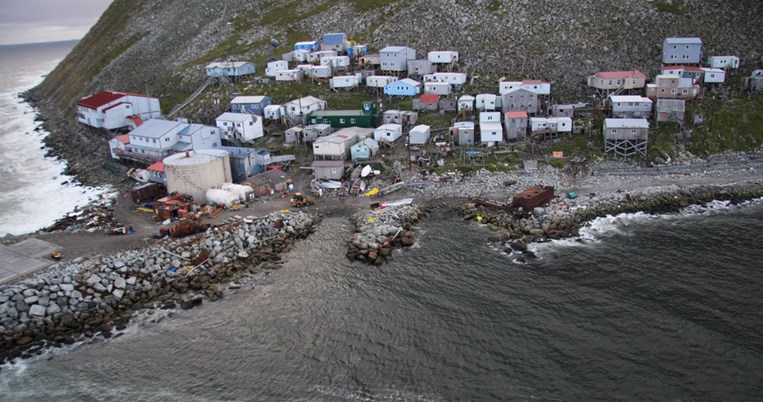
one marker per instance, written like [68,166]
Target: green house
[365,117]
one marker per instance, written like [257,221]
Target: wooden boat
[392,188]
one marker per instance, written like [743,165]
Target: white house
[111,110]
[156,139]
[630,106]
[344,82]
[455,79]
[437,88]
[443,57]
[465,102]
[337,145]
[463,132]
[229,68]
[320,71]
[300,55]
[491,129]
[290,75]
[714,75]
[395,58]
[379,81]
[388,132]
[275,66]
[303,106]
[419,135]
[551,125]
[274,112]
[535,86]
[485,102]
[316,57]
[336,62]
[239,126]
[724,62]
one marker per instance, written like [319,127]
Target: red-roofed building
[614,80]
[118,144]
[156,173]
[516,125]
[113,110]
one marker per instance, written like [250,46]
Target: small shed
[724,62]
[328,170]
[268,182]
[426,102]
[388,132]
[670,110]
[364,150]
[344,82]
[379,81]
[289,75]
[320,71]
[273,112]
[463,133]
[443,57]
[485,102]
[315,131]
[419,135]
[437,88]
[447,105]
[714,75]
[293,135]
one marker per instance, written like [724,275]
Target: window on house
[674,91]
[685,91]
[154,140]
[352,121]
[675,47]
[251,123]
[687,47]
[614,131]
[341,121]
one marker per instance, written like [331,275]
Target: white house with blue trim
[404,87]
[229,68]
[250,104]
[309,45]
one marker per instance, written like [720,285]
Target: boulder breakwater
[378,232]
[90,296]
[563,217]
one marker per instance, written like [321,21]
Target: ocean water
[33,190]
[641,308]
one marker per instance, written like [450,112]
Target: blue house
[335,41]
[309,45]
[682,51]
[243,162]
[404,87]
[250,104]
[357,50]
[229,68]
[364,150]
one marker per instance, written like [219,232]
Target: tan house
[672,87]
[614,80]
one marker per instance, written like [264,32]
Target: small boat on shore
[331,184]
[392,188]
[402,201]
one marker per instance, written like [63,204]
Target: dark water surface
[657,309]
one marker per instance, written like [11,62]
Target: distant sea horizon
[34,192]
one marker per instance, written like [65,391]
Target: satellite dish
[274,43]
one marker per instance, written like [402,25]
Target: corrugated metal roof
[614,75]
[675,41]
[333,38]
[626,123]
[230,116]
[629,98]
[429,98]
[393,49]
[227,64]
[156,128]
[124,138]
[248,99]
[156,167]
[104,97]
[516,115]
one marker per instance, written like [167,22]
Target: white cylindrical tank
[219,196]
[195,172]
[244,193]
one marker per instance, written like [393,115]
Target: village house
[626,137]
[516,125]
[485,102]
[437,88]
[334,41]
[630,106]
[550,126]
[112,110]
[724,62]
[402,117]
[339,63]
[617,80]
[250,104]
[156,139]
[379,81]
[672,87]
[695,73]
[447,105]
[388,132]
[290,75]
[491,130]
[156,173]
[303,106]
[535,86]
[462,133]
[443,57]
[319,72]
[395,58]
[754,83]
[118,145]
[237,127]
[344,82]
[274,67]
[419,135]
[316,57]
[465,103]
[364,150]
[370,60]
[404,87]
[268,182]
[337,145]
[356,51]
[328,169]
[420,67]
[364,117]
[230,69]
[293,135]
[682,51]
[670,110]
[426,102]
[309,45]
[274,113]
[314,131]
[713,75]
[520,100]
[456,80]
[567,110]
[244,162]
[297,56]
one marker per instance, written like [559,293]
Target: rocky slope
[161,46]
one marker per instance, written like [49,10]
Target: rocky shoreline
[98,295]
[378,232]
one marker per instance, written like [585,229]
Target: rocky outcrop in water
[99,294]
[378,232]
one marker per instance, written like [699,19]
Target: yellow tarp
[284,211]
[371,218]
[373,191]
[479,218]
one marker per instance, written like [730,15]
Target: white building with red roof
[112,110]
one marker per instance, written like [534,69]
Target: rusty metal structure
[533,197]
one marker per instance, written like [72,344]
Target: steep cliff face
[161,46]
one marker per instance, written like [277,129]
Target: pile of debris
[377,232]
[97,215]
